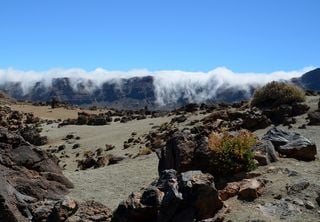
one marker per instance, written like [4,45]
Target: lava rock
[292,145]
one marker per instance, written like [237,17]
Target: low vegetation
[232,152]
[277,93]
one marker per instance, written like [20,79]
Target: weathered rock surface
[189,196]
[250,189]
[28,174]
[33,188]
[265,153]
[292,145]
[183,153]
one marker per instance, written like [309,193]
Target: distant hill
[309,80]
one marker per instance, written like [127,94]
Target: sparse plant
[144,151]
[232,152]
[277,93]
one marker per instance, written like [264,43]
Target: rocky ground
[108,154]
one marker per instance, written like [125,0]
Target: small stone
[298,202]
[278,197]
[309,205]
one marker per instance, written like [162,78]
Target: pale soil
[113,183]
[45,112]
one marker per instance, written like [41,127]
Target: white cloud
[169,84]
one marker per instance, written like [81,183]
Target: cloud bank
[169,85]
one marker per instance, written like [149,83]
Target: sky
[189,35]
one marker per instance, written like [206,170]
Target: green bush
[232,152]
[277,93]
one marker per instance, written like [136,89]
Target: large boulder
[183,152]
[27,174]
[292,145]
[189,196]
[314,118]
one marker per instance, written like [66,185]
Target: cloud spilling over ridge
[169,85]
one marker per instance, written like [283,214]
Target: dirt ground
[113,183]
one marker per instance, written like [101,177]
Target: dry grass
[277,93]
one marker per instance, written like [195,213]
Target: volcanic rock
[292,145]
[189,196]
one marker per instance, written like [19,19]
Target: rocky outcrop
[188,196]
[28,174]
[250,119]
[33,188]
[32,135]
[292,145]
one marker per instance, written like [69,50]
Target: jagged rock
[297,187]
[179,154]
[314,118]
[264,152]
[63,209]
[91,161]
[250,189]
[230,190]
[251,119]
[292,145]
[27,175]
[69,210]
[189,196]
[91,211]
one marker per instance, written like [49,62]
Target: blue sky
[189,35]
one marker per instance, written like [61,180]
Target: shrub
[144,151]
[232,152]
[277,93]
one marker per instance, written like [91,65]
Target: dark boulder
[314,118]
[292,145]
[179,154]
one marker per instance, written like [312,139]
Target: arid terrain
[107,162]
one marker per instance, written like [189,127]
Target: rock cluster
[188,196]
[97,160]
[113,115]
